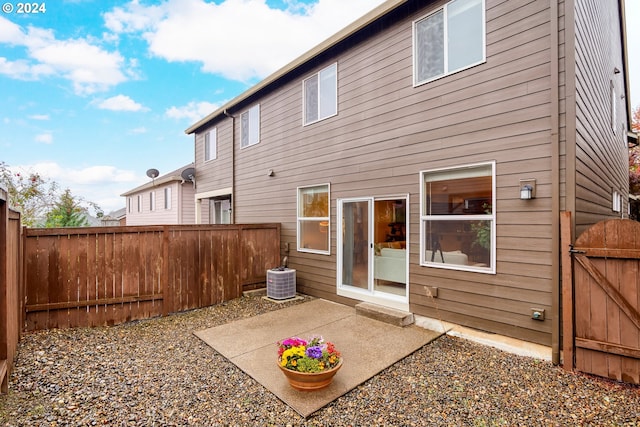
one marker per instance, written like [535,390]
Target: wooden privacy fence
[11,296]
[601,299]
[105,276]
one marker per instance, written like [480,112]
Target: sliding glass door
[372,249]
[355,243]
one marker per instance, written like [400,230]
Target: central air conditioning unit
[281,283]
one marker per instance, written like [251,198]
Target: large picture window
[250,126]
[321,95]
[457,218]
[313,219]
[448,40]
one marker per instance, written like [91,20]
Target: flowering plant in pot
[308,364]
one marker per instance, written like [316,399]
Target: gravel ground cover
[157,373]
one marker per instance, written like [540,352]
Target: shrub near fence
[106,276]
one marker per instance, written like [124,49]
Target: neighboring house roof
[162,179]
[117,214]
[342,35]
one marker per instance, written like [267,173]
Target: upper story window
[139,202]
[450,39]
[250,126]
[129,203]
[321,95]
[167,198]
[211,145]
[152,201]
[457,218]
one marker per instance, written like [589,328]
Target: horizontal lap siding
[387,131]
[599,168]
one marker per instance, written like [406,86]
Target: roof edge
[341,35]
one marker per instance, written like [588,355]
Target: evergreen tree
[67,212]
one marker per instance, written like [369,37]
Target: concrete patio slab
[368,346]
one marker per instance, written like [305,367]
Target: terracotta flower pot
[310,381]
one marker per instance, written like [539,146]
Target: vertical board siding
[105,276]
[607,301]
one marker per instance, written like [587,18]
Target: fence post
[568,332]
[167,300]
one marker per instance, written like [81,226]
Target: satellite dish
[153,173]
[189,174]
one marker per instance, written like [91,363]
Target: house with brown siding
[420,158]
[166,199]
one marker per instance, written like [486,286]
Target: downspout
[233,165]
[555,181]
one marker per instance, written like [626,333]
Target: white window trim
[248,111]
[299,218]
[423,217]
[211,145]
[167,198]
[152,201]
[140,202]
[613,107]
[417,83]
[304,97]
[616,199]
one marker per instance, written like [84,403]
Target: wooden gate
[601,300]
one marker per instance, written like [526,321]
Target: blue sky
[93,93]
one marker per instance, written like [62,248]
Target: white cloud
[238,39]
[88,66]
[193,111]
[39,117]
[138,131]
[45,138]
[120,103]
[101,184]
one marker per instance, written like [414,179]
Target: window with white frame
[616,201]
[211,145]
[129,203]
[321,95]
[139,202]
[457,217]
[450,39]
[313,219]
[250,126]
[152,201]
[167,198]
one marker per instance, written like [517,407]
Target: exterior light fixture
[527,189]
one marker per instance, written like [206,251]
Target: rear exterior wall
[387,131]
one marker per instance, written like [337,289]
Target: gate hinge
[576,251]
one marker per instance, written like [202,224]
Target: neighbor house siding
[182,205]
[599,169]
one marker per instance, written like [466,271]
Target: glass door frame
[369,294]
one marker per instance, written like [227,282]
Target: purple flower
[314,352]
